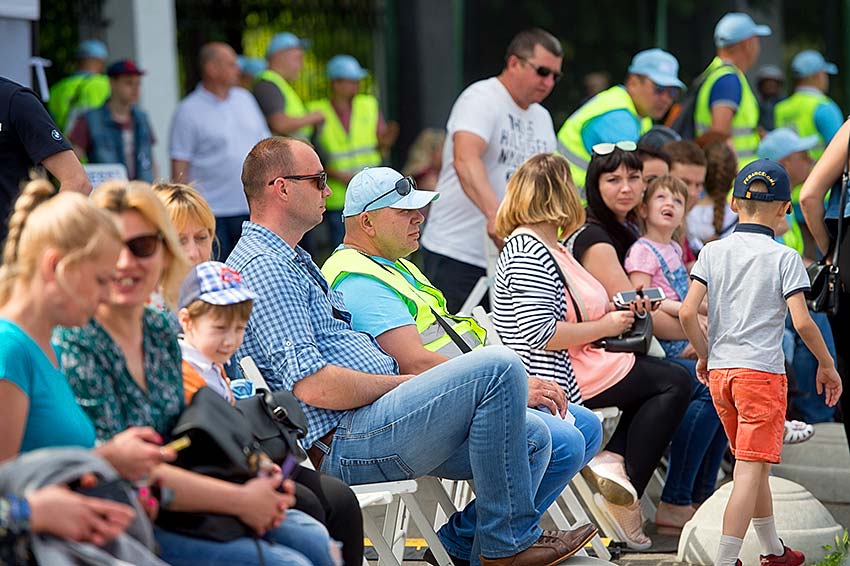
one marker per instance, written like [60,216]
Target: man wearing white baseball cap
[725,102]
[809,110]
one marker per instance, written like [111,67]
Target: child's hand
[829,383]
[702,371]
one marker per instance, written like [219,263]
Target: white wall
[145,30]
[15,38]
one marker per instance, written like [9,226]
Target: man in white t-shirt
[494,125]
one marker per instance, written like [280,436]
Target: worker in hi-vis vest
[85,89]
[623,112]
[352,136]
[283,108]
[725,102]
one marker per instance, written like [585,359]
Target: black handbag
[636,341]
[222,446]
[825,279]
[277,423]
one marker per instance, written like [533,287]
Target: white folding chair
[485,281]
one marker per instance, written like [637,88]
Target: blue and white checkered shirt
[298,324]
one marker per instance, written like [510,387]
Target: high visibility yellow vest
[570,143]
[793,238]
[348,151]
[798,113]
[745,134]
[294,107]
[419,298]
[73,96]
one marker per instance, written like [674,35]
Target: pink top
[595,368]
[642,259]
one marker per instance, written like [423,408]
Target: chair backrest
[485,320]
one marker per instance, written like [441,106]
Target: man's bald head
[218,63]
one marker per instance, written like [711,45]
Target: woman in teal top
[57,262]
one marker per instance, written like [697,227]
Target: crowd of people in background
[115,310]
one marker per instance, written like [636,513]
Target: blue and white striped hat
[214,283]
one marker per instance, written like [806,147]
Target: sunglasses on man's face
[542,71]
[144,246]
[672,91]
[321,179]
[403,187]
[608,148]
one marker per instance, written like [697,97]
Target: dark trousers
[332,503]
[653,397]
[840,324]
[227,232]
[454,278]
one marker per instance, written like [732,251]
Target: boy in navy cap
[751,281]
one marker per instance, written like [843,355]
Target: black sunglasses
[144,246]
[543,71]
[320,178]
[671,91]
[403,187]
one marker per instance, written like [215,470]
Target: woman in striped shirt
[535,315]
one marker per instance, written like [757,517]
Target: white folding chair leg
[586,495]
[577,511]
[475,295]
[384,550]
[426,530]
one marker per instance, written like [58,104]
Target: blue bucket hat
[286,40]
[345,67]
[809,62]
[92,49]
[735,27]
[214,283]
[772,173]
[374,188]
[661,67]
[782,142]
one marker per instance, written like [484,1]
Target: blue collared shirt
[298,324]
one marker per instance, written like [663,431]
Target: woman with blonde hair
[550,310]
[192,218]
[425,158]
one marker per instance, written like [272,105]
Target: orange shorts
[751,405]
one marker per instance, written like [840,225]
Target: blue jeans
[811,406]
[696,448]
[573,445]
[299,541]
[464,419]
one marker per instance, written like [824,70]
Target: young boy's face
[212,335]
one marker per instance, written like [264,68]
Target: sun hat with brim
[782,142]
[373,188]
[735,27]
[661,67]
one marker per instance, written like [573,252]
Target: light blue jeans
[464,419]
[573,446]
[299,541]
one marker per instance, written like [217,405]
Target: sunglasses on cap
[671,91]
[320,178]
[144,246]
[542,71]
[607,148]
[403,187]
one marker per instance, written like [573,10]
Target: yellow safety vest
[745,134]
[570,142]
[294,107]
[798,113]
[73,96]
[419,298]
[793,238]
[348,151]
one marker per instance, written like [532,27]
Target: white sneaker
[627,522]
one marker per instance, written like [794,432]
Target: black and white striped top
[528,300]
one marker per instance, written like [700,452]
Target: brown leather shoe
[553,547]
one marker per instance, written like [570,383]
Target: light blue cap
[345,67]
[252,65]
[808,62]
[92,49]
[372,182]
[735,27]
[661,67]
[286,40]
[770,72]
[782,142]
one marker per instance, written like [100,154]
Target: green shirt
[97,371]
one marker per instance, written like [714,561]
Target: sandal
[797,432]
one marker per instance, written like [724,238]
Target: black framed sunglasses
[321,179]
[542,71]
[672,91]
[403,187]
[144,246]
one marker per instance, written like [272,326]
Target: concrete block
[801,521]
[821,464]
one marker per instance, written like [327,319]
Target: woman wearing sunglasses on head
[125,369]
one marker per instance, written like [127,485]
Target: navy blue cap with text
[771,173]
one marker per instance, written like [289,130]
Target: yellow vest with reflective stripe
[348,151]
[294,107]
[793,238]
[419,299]
[570,143]
[798,113]
[73,96]
[745,134]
